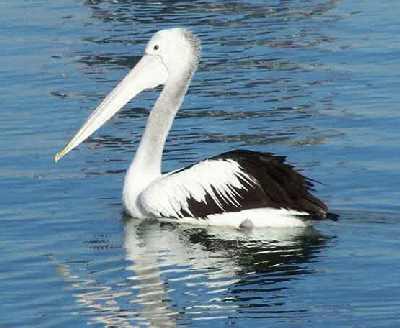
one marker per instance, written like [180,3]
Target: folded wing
[231,182]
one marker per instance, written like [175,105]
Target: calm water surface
[317,80]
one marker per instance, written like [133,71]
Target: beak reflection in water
[222,272]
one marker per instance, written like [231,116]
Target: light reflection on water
[181,273]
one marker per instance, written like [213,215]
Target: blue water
[317,81]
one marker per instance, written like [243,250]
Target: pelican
[239,188]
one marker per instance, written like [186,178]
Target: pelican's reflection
[184,272]
[173,274]
[143,249]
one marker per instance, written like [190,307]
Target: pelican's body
[238,188]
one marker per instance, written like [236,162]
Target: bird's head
[178,50]
[171,55]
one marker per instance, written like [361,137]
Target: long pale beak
[148,73]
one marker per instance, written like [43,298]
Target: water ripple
[316,80]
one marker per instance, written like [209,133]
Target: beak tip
[58,156]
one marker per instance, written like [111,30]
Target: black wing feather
[278,185]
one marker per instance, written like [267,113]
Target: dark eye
[156,47]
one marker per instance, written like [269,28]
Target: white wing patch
[220,179]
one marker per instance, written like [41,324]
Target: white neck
[148,156]
[146,165]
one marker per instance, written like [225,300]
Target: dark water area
[317,81]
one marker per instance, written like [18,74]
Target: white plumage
[219,179]
[235,188]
